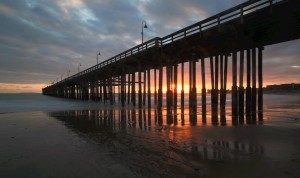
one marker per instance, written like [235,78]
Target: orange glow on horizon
[21,88]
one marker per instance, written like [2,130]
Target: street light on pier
[144,25]
[79,67]
[98,54]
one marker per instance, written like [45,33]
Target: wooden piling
[223,119]
[182,85]
[133,94]
[149,89]
[168,78]
[194,87]
[215,93]
[260,84]
[100,88]
[248,88]
[203,91]
[123,88]
[241,88]
[234,88]
[222,103]
[128,89]
[214,113]
[160,78]
[97,89]
[105,90]
[144,89]
[155,89]
[175,87]
[253,101]
[111,99]
[140,87]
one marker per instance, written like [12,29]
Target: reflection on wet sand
[175,144]
[145,117]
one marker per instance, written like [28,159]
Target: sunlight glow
[21,88]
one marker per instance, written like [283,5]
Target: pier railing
[218,19]
[236,12]
[155,42]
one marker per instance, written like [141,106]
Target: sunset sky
[41,40]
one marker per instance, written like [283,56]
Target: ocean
[44,136]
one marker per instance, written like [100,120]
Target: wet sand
[131,143]
[36,145]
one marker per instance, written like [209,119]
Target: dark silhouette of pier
[238,34]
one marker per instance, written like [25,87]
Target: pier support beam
[128,90]
[140,87]
[155,89]
[160,78]
[144,89]
[193,93]
[203,91]
[241,88]
[106,90]
[221,83]
[260,84]
[92,91]
[111,97]
[234,89]
[214,104]
[175,87]
[123,88]
[96,83]
[73,91]
[215,93]
[253,101]
[133,94]
[222,103]
[223,91]
[248,88]
[182,86]
[169,91]
[77,92]
[149,89]
[86,91]
[100,88]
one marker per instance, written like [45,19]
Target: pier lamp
[98,54]
[79,67]
[144,25]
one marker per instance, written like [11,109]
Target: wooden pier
[235,37]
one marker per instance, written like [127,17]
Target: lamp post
[79,67]
[98,54]
[144,25]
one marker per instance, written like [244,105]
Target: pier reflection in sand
[155,142]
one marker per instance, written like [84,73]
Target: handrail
[233,13]
[154,42]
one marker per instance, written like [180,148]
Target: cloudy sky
[41,40]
